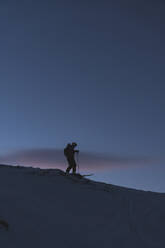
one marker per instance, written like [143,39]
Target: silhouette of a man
[69,152]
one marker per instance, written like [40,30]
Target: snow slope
[46,208]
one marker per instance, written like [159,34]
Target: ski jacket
[69,151]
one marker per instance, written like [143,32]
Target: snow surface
[46,208]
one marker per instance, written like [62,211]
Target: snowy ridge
[46,208]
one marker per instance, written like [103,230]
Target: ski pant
[71,165]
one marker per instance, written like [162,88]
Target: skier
[69,153]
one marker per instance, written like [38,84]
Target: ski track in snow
[46,208]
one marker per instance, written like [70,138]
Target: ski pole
[78,162]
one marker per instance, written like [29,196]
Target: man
[69,152]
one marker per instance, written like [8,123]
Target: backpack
[67,151]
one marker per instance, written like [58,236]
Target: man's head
[74,144]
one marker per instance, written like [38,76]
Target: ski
[88,175]
[78,175]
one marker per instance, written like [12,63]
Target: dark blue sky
[86,71]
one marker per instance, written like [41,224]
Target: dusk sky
[92,72]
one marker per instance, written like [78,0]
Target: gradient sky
[86,71]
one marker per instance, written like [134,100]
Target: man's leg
[74,166]
[69,166]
